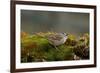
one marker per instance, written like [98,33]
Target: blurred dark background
[44,21]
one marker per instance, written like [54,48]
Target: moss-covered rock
[36,48]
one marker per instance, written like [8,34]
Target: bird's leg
[56,48]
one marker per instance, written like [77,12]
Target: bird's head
[65,34]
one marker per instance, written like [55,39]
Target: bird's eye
[64,33]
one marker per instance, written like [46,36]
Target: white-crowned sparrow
[57,39]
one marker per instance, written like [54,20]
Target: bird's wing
[58,37]
[55,37]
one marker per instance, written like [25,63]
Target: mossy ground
[36,48]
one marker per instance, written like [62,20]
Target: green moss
[36,48]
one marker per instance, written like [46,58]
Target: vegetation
[36,48]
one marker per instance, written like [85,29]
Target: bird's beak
[67,34]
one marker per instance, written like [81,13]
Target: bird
[57,39]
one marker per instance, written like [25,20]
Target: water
[44,21]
